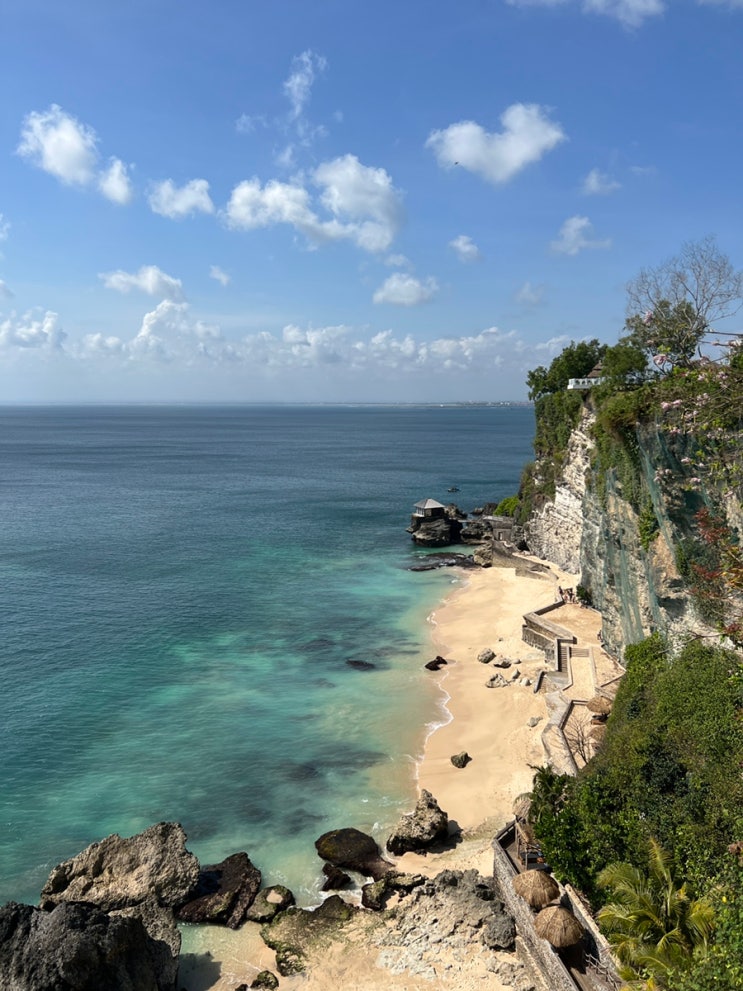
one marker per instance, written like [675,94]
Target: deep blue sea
[182,588]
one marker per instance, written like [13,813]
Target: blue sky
[335,201]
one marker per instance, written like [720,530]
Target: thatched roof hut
[599,704]
[558,926]
[537,888]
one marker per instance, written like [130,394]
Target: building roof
[429,504]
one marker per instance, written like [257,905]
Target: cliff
[629,536]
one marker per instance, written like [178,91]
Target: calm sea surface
[181,590]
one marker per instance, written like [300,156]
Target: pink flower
[665,405]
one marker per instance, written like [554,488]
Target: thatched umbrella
[538,888]
[521,805]
[558,926]
[599,704]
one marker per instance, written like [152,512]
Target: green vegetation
[508,506]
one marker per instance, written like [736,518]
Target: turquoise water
[182,590]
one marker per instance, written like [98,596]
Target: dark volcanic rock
[336,878]
[225,892]
[77,947]
[423,826]
[354,850]
[433,533]
[433,561]
[436,663]
[265,980]
[269,902]
[461,759]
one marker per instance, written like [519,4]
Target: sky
[334,201]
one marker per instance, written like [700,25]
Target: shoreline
[486,610]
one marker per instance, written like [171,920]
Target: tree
[673,306]
[575,361]
[652,922]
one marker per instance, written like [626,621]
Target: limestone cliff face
[554,531]
[637,589]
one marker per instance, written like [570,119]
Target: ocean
[182,591]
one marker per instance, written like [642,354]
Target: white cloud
[149,279]
[4,228]
[247,123]
[527,135]
[364,205]
[530,295]
[598,183]
[115,184]
[5,291]
[215,272]
[630,13]
[32,332]
[176,202]
[575,236]
[405,290]
[60,144]
[63,146]
[298,86]
[397,261]
[465,247]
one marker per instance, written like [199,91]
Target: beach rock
[425,825]
[457,911]
[502,662]
[486,656]
[117,873]
[534,721]
[525,682]
[497,681]
[515,675]
[336,878]
[265,980]
[354,850]
[434,561]
[376,895]
[436,663]
[295,933]
[224,894]
[269,902]
[461,759]
[77,947]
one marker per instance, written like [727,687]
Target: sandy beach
[500,729]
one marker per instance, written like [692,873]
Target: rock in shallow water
[354,850]
[225,892]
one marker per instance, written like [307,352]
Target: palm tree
[653,924]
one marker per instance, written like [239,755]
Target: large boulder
[354,850]
[143,876]
[269,902]
[117,873]
[77,947]
[425,825]
[224,894]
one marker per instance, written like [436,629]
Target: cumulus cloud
[397,261]
[575,236]
[465,247]
[216,273]
[401,289]
[149,279]
[63,146]
[115,184]
[530,295]
[363,204]
[527,135]
[298,87]
[598,183]
[630,13]
[177,202]
[29,331]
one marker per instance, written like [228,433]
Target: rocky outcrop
[425,825]
[76,947]
[461,759]
[296,933]
[224,894]
[269,902]
[144,877]
[354,850]
[554,532]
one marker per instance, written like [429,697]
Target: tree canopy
[575,361]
